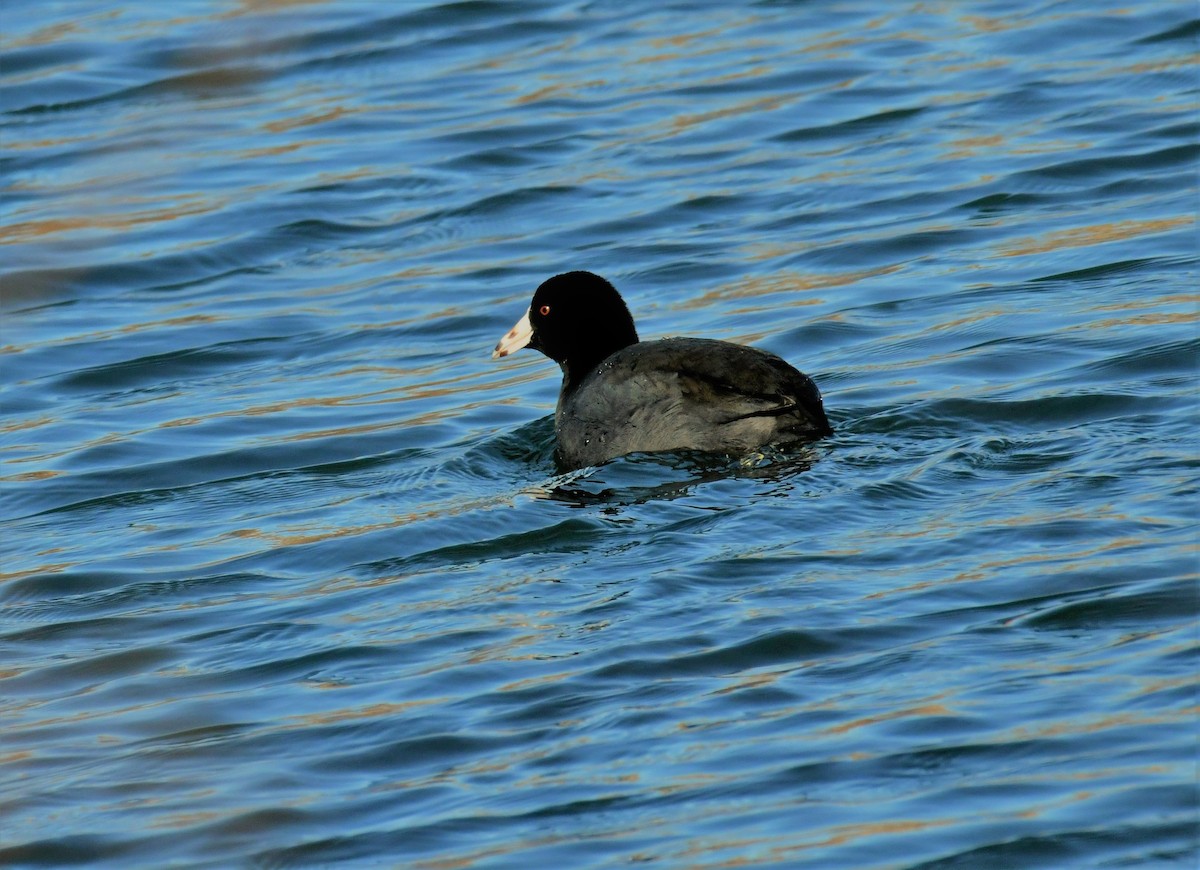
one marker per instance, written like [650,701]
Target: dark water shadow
[646,477]
[517,451]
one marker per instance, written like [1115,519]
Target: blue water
[289,577]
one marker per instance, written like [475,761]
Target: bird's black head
[577,319]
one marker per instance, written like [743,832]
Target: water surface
[290,578]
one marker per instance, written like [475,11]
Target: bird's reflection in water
[648,477]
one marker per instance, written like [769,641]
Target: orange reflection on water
[182,206]
[31,475]
[918,712]
[1157,301]
[313,118]
[781,282]
[380,710]
[1093,234]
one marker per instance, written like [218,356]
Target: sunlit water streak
[289,574]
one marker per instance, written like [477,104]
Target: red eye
[544,310]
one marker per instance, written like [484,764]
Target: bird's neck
[588,358]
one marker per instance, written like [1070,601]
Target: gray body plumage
[685,394]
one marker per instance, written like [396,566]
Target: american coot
[620,395]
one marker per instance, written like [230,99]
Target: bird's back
[686,394]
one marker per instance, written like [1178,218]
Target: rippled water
[289,580]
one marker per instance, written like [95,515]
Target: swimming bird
[620,395]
